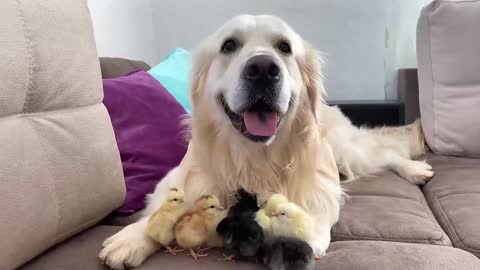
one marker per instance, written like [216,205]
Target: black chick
[241,233]
[286,253]
[247,204]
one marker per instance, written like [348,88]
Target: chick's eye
[229,46]
[283,214]
[175,199]
[284,47]
[211,206]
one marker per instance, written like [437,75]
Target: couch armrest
[115,67]
[408,93]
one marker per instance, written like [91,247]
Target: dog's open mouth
[258,123]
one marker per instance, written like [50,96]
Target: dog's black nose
[262,67]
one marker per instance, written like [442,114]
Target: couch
[61,174]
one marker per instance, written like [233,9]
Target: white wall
[348,32]
[365,42]
[124,28]
[400,40]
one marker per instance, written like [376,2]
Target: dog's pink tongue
[260,123]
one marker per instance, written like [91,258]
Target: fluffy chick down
[287,253]
[242,235]
[162,223]
[290,220]
[192,230]
[264,216]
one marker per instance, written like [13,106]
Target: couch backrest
[113,67]
[448,51]
[60,170]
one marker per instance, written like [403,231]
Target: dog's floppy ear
[310,68]
[198,74]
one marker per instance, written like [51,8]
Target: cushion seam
[392,239]
[29,57]
[435,137]
[458,1]
[52,176]
[385,196]
[437,226]
[466,193]
[449,224]
[54,111]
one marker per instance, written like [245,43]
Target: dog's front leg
[322,201]
[322,237]
[325,218]
[131,246]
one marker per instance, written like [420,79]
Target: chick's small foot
[204,249]
[317,258]
[226,258]
[173,250]
[196,255]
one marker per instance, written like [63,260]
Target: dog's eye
[284,47]
[229,46]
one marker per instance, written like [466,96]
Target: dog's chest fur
[257,169]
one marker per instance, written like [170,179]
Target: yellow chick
[161,224]
[192,230]
[264,215]
[214,240]
[290,220]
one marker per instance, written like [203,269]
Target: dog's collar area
[239,123]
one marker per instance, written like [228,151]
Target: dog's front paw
[417,172]
[127,248]
[320,245]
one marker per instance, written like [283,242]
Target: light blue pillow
[173,73]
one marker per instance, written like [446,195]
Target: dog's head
[253,74]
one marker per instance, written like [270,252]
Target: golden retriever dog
[258,122]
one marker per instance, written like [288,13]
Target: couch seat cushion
[81,252]
[454,197]
[388,208]
[379,255]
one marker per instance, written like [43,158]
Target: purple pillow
[147,124]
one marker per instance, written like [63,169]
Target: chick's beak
[274,214]
[220,208]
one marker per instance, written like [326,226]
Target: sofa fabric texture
[60,169]
[448,38]
[81,252]
[454,197]
[387,208]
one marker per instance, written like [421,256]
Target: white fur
[363,151]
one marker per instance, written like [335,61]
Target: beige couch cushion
[454,197]
[60,170]
[81,253]
[387,208]
[448,42]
